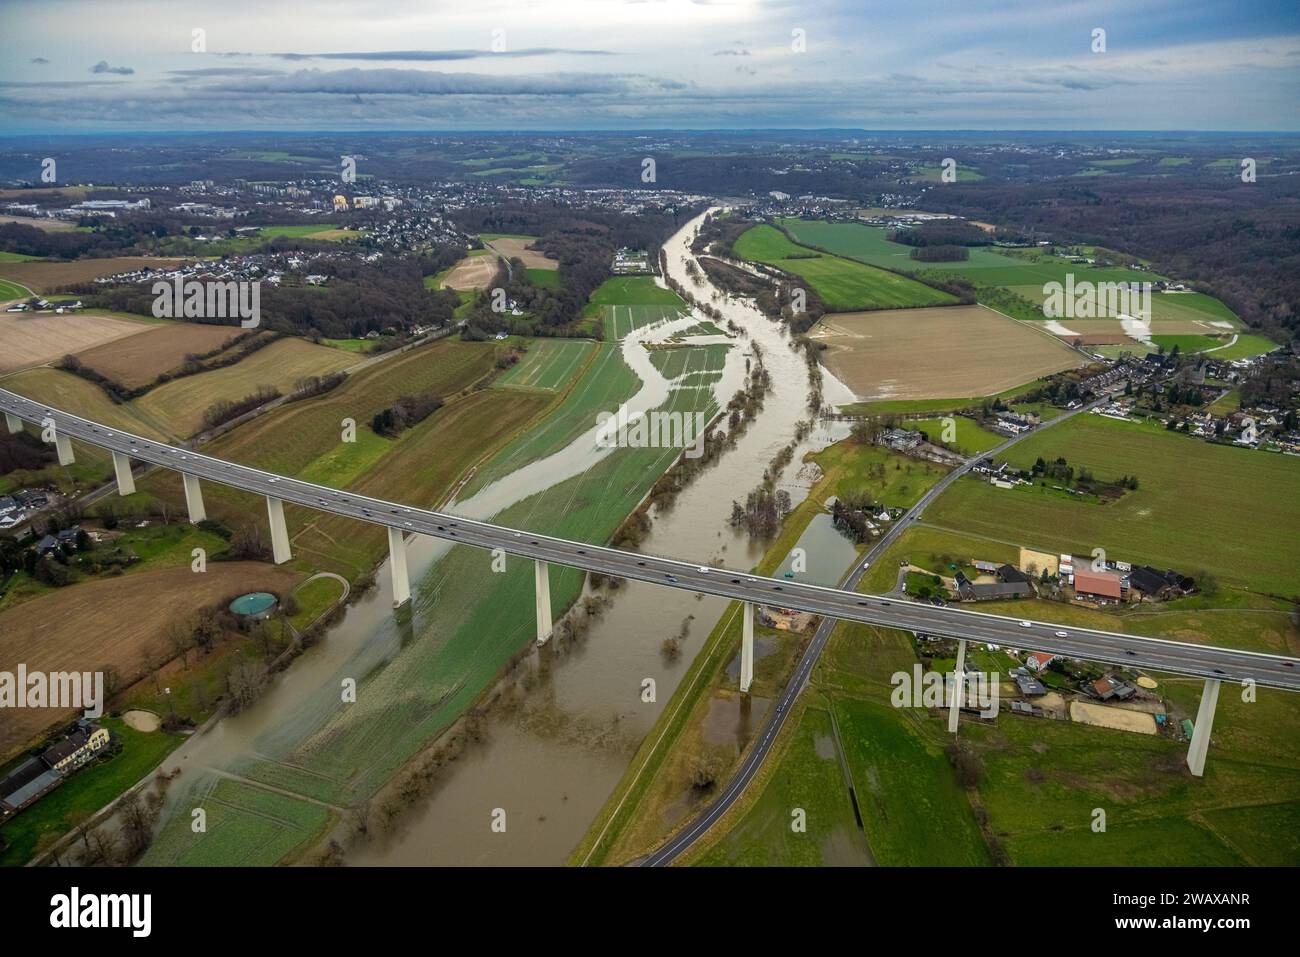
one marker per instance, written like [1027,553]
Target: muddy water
[552,761]
[552,757]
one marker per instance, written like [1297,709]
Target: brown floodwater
[576,713]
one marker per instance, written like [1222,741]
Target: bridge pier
[958,687]
[64,446]
[279,531]
[194,498]
[747,649]
[542,586]
[397,567]
[122,469]
[15,424]
[1200,745]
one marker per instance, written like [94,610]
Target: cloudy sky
[92,65]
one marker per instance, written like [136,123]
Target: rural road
[685,838]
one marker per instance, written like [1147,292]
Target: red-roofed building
[1038,660]
[1097,584]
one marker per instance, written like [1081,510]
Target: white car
[1026,624]
[1062,634]
[866,565]
[751,580]
[704,569]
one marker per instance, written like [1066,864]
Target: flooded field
[299,765]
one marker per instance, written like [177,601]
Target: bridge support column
[64,446]
[542,586]
[279,531]
[15,424]
[1204,724]
[747,649]
[397,567]
[122,469]
[958,687]
[194,498]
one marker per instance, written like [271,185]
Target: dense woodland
[1237,241]
[582,241]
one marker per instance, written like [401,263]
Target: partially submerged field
[842,284]
[28,339]
[467,620]
[931,353]
[158,348]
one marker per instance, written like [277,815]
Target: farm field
[46,275]
[180,403]
[67,391]
[548,364]
[842,284]
[12,290]
[1245,347]
[543,278]
[948,404]
[518,247]
[293,437]
[29,340]
[42,222]
[323,231]
[929,353]
[139,359]
[113,623]
[1190,493]
[808,777]
[472,272]
[632,291]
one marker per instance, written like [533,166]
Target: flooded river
[552,756]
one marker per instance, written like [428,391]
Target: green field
[634,291]
[1198,505]
[548,364]
[842,284]
[12,290]
[808,778]
[1245,347]
[314,230]
[543,278]
[970,436]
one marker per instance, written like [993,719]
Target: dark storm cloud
[103,67]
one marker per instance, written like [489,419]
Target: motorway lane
[1133,650]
